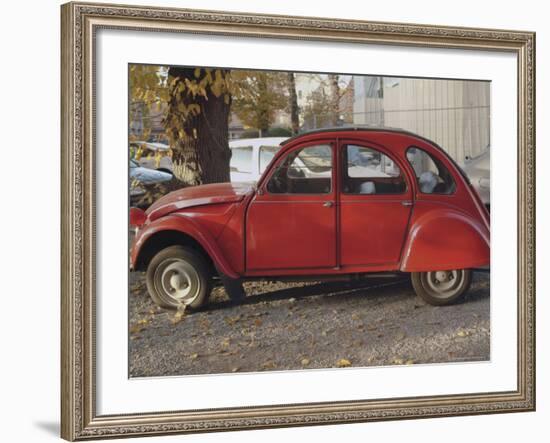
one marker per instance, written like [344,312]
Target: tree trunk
[201,151]
[334,99]
[265,113]
[294,118]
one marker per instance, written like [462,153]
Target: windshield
[266,155]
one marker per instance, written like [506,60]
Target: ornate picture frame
[80,22]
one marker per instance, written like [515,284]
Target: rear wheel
[179,276]
[441,287]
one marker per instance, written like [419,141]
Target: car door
[375,206]
[291,222]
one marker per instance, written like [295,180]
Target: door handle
[407,203]
[328,204]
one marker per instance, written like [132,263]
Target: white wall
[29,222]
[452,113]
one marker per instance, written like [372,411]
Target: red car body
[247,231]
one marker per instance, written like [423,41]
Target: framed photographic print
[281,221]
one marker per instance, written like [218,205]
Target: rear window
[431,174]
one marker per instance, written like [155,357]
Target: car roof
[358,128]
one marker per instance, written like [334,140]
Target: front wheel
[178,276]
[441,287]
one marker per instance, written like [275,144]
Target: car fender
[184,224]
[445,239]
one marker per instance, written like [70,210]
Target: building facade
[453,113]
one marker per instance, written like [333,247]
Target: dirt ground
[285,326]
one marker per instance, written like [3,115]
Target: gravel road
[283,326]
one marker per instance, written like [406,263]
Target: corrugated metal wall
[453,113]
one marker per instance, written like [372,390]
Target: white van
[250,157]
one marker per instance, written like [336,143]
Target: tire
[440,288]
[179,276]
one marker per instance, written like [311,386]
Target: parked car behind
[250,157]
[152,155]
[478,170]
[141,177]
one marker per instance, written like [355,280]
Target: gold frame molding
[79,22]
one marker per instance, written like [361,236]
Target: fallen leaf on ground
[194,356]
[137,327]
[398,361]
[232,320]
[178,316]
[343,363]
[305,361]
[463,333]
[268,365]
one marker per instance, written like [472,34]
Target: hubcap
[444,283]
[177,281]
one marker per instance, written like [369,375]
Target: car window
[431,174]
[304,171]
[241,159]
[266,155]
[369,171]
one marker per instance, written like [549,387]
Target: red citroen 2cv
[339,203]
